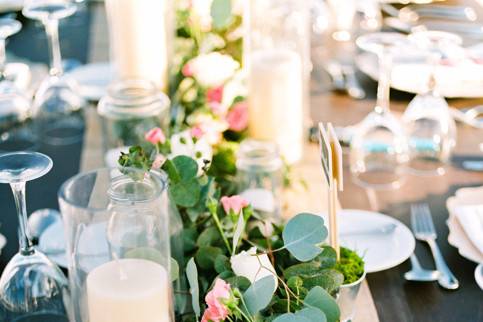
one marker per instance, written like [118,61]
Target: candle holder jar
[118,246]
[129,110]
[259,171]
[277,58]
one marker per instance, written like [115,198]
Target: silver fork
[423,229]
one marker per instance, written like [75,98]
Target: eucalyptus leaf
[208,237]
[290,317]
[319,298]
[206,256]
[328,279]
[222,264]
[328,257]
[312,314]
[302,234]
[221,13]
[174,270]
[192,274]
[239,282]
[310,268]
[189,236]
[186,166]
[185,193]
[259,294]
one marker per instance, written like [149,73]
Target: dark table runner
[398,300]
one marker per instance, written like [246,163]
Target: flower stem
[220,230]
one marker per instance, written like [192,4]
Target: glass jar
[277,58]
[129,110]
[118,246]
[259,176]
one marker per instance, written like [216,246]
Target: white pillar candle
[128,290]
[276,100]
[139,36]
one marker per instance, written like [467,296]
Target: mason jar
[260,178]
[129,110]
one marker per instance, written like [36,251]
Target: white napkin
[471,219]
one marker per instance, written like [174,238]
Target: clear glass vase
[277,59]
[118,246]
[129,110]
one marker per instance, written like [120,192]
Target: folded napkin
[471,219]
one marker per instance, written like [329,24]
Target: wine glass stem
[384,85]
[18,190]
[3,58]
[52,30]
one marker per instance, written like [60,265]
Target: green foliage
[259,294]
[320,299]
[303,234]
[350,265]
[192,274]
[221,13]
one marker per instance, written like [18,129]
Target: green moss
[350,265]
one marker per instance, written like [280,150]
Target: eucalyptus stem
[220,230]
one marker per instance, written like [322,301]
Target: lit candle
[139,36]
[276,100]
[128,290]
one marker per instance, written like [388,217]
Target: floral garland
[246,268]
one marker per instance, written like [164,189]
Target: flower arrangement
[230,263]
[246,267]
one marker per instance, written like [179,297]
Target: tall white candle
[139,39]
[276,100]
[128,290]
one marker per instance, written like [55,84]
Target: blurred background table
[84,39]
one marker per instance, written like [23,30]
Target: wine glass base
[426,167]
[381,179]
[32,284]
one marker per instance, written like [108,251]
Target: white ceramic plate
[462,80]
[380,251]
[93,79]
[479,275]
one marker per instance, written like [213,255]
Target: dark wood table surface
[396,300]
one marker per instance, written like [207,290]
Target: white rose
[182,144]
[213,69]
[246,264]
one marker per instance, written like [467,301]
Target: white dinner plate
[479,275]
[93,79]
[379,251]
[411,75]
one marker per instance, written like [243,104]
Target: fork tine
[414,222]
[428,219]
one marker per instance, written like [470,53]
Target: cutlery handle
[446,278]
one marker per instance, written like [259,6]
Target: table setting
[226,160]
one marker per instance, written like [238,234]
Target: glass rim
[130,97]
[158,176]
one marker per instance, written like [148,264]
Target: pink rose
[197,132]
[155,136]
[214,94]
[235,203]
[187,71]
[237,117]
[158,162]
[217,310]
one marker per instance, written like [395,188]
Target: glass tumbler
[260,180]
[129,110]
[117,233]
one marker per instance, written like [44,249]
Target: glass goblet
[378,150]
[57,102]
[32,288]
[8,27]
[430,126]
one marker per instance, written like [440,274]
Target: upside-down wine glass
[431,129]
[8,27]
[57,101]
[378,150]
[32,288]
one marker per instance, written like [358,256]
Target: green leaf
[301,269]
[328,257]
[239,282]
[302,234]
[319,298]
[174,270]
[328,279]
[189,238]
[208,237]
[312,314]
[170,169]
[185,193]
[240,227]
[186,166]
[206,256]
[290,317]
[221,13]
[222,264]
[259,294]
[192,274]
